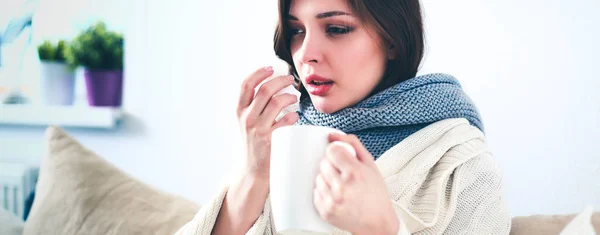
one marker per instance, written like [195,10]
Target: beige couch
[78,192]
[546,224]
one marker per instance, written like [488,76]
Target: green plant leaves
[48,51]
[96,48]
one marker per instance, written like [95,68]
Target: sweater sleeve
[204,221]
[481,206]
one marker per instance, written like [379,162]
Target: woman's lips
[317,85]
[319,90]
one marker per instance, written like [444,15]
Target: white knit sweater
[441,180]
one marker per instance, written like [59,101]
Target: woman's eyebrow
[322,15]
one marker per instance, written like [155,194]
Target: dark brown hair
[397,22]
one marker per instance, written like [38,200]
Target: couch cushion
[78,192]
[546,224]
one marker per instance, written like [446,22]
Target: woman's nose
[311,49]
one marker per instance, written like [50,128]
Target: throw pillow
[78,192]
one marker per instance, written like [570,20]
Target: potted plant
[57,78]
[100,52]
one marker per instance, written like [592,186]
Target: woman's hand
[257,115]
[245,198]
[351,193]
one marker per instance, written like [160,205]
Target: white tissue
[293,107]
[281,68]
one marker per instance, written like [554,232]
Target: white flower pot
[57,83]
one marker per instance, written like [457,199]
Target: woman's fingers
[274,107]
[341,156]
[362,153]
[332,177]
[323,199]
[247,89]
[321,185]
[266,92]
[286,120]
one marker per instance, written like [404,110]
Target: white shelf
[64,116]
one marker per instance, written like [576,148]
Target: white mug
[296,152]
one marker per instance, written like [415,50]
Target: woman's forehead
[312,8]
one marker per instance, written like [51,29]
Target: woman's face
[339,60]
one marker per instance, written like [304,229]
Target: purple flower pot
[104,88]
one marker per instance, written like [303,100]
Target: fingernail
[291,77]
[346,146]
[268,68]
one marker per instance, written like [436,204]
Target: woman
[422,166]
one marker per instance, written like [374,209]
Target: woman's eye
[294,31]
[338,30]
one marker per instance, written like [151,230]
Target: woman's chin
[323,105]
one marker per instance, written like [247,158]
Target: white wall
[529,66]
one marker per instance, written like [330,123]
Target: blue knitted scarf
[386,118]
